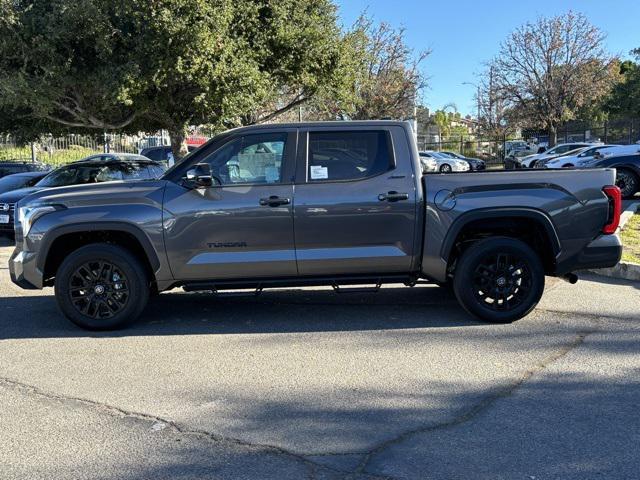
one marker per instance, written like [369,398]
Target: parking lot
[309,384]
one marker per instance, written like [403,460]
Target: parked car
[513,160]
[475,164]
[445,163]
[90,170]
[20,180]
[529,161]
[161,153]
[268,206]
[627,170]
[573,159]
[11,167]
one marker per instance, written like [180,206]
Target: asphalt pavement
[307,384]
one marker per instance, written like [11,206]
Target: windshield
[94,173]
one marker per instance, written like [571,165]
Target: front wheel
[499,279]
[446,168]
[101,287]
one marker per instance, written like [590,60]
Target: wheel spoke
[91,289]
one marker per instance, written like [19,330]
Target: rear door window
[339,156]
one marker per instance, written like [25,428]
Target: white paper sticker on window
[319,172]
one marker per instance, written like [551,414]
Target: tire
[488,285]
[568,165]
[628,183]
[446,168]
[101,287]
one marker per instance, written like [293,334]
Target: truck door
[242,229]
[355,201]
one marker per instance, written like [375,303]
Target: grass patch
[631,240]
[53,157]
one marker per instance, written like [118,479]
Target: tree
[625,97]
[548,71]
[137,64]
[377,76]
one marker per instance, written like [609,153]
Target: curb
[623,270]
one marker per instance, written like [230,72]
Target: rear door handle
[274,201]
[393,196]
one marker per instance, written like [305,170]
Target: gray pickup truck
[339,204]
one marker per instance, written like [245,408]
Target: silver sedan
[444,163]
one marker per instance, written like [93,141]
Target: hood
[14,196]
[94,193]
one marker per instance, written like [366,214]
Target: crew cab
[337,204]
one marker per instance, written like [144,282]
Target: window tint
[348,155]
[249,159]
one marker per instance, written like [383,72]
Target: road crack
[504,391]
[16,385]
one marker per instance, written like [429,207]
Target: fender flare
[499,212]
[55,233]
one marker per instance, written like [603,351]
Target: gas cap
[445,200]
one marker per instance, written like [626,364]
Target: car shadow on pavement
[279,311]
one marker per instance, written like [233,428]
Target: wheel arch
[509,222]
[64,239]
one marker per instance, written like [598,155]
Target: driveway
[304,383]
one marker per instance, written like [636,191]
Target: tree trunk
[178,137]
[553,136]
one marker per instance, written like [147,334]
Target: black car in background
[20,180]
[475,164]
[10,167]
[94,169]
[627,170]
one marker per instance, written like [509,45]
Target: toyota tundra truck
[341,204]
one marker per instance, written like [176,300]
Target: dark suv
[92,170]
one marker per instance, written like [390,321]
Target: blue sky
[462,34]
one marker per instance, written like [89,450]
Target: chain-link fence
[56,151]
[494,149]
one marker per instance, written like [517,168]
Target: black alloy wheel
[101,286]
[98,289]
[627,182]
[499,279]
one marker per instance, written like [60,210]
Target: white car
[571,159]
[529,161]
[444,163]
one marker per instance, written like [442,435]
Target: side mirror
[598,156]
[200,176]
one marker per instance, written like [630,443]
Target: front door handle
[274,201]
[393,196]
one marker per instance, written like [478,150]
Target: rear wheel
[628,183]
[446,168]
[101,287]
[499,280]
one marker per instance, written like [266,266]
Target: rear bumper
[602,252]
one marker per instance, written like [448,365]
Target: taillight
[615,209]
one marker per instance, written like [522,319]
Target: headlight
[28,214]
[462,164]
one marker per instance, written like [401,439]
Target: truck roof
[340,123]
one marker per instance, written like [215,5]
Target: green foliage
[140,64]
[624,100]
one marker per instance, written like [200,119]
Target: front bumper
[23,270]
[602,252]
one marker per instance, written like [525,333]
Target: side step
[338,289]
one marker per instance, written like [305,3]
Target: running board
[339,284]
